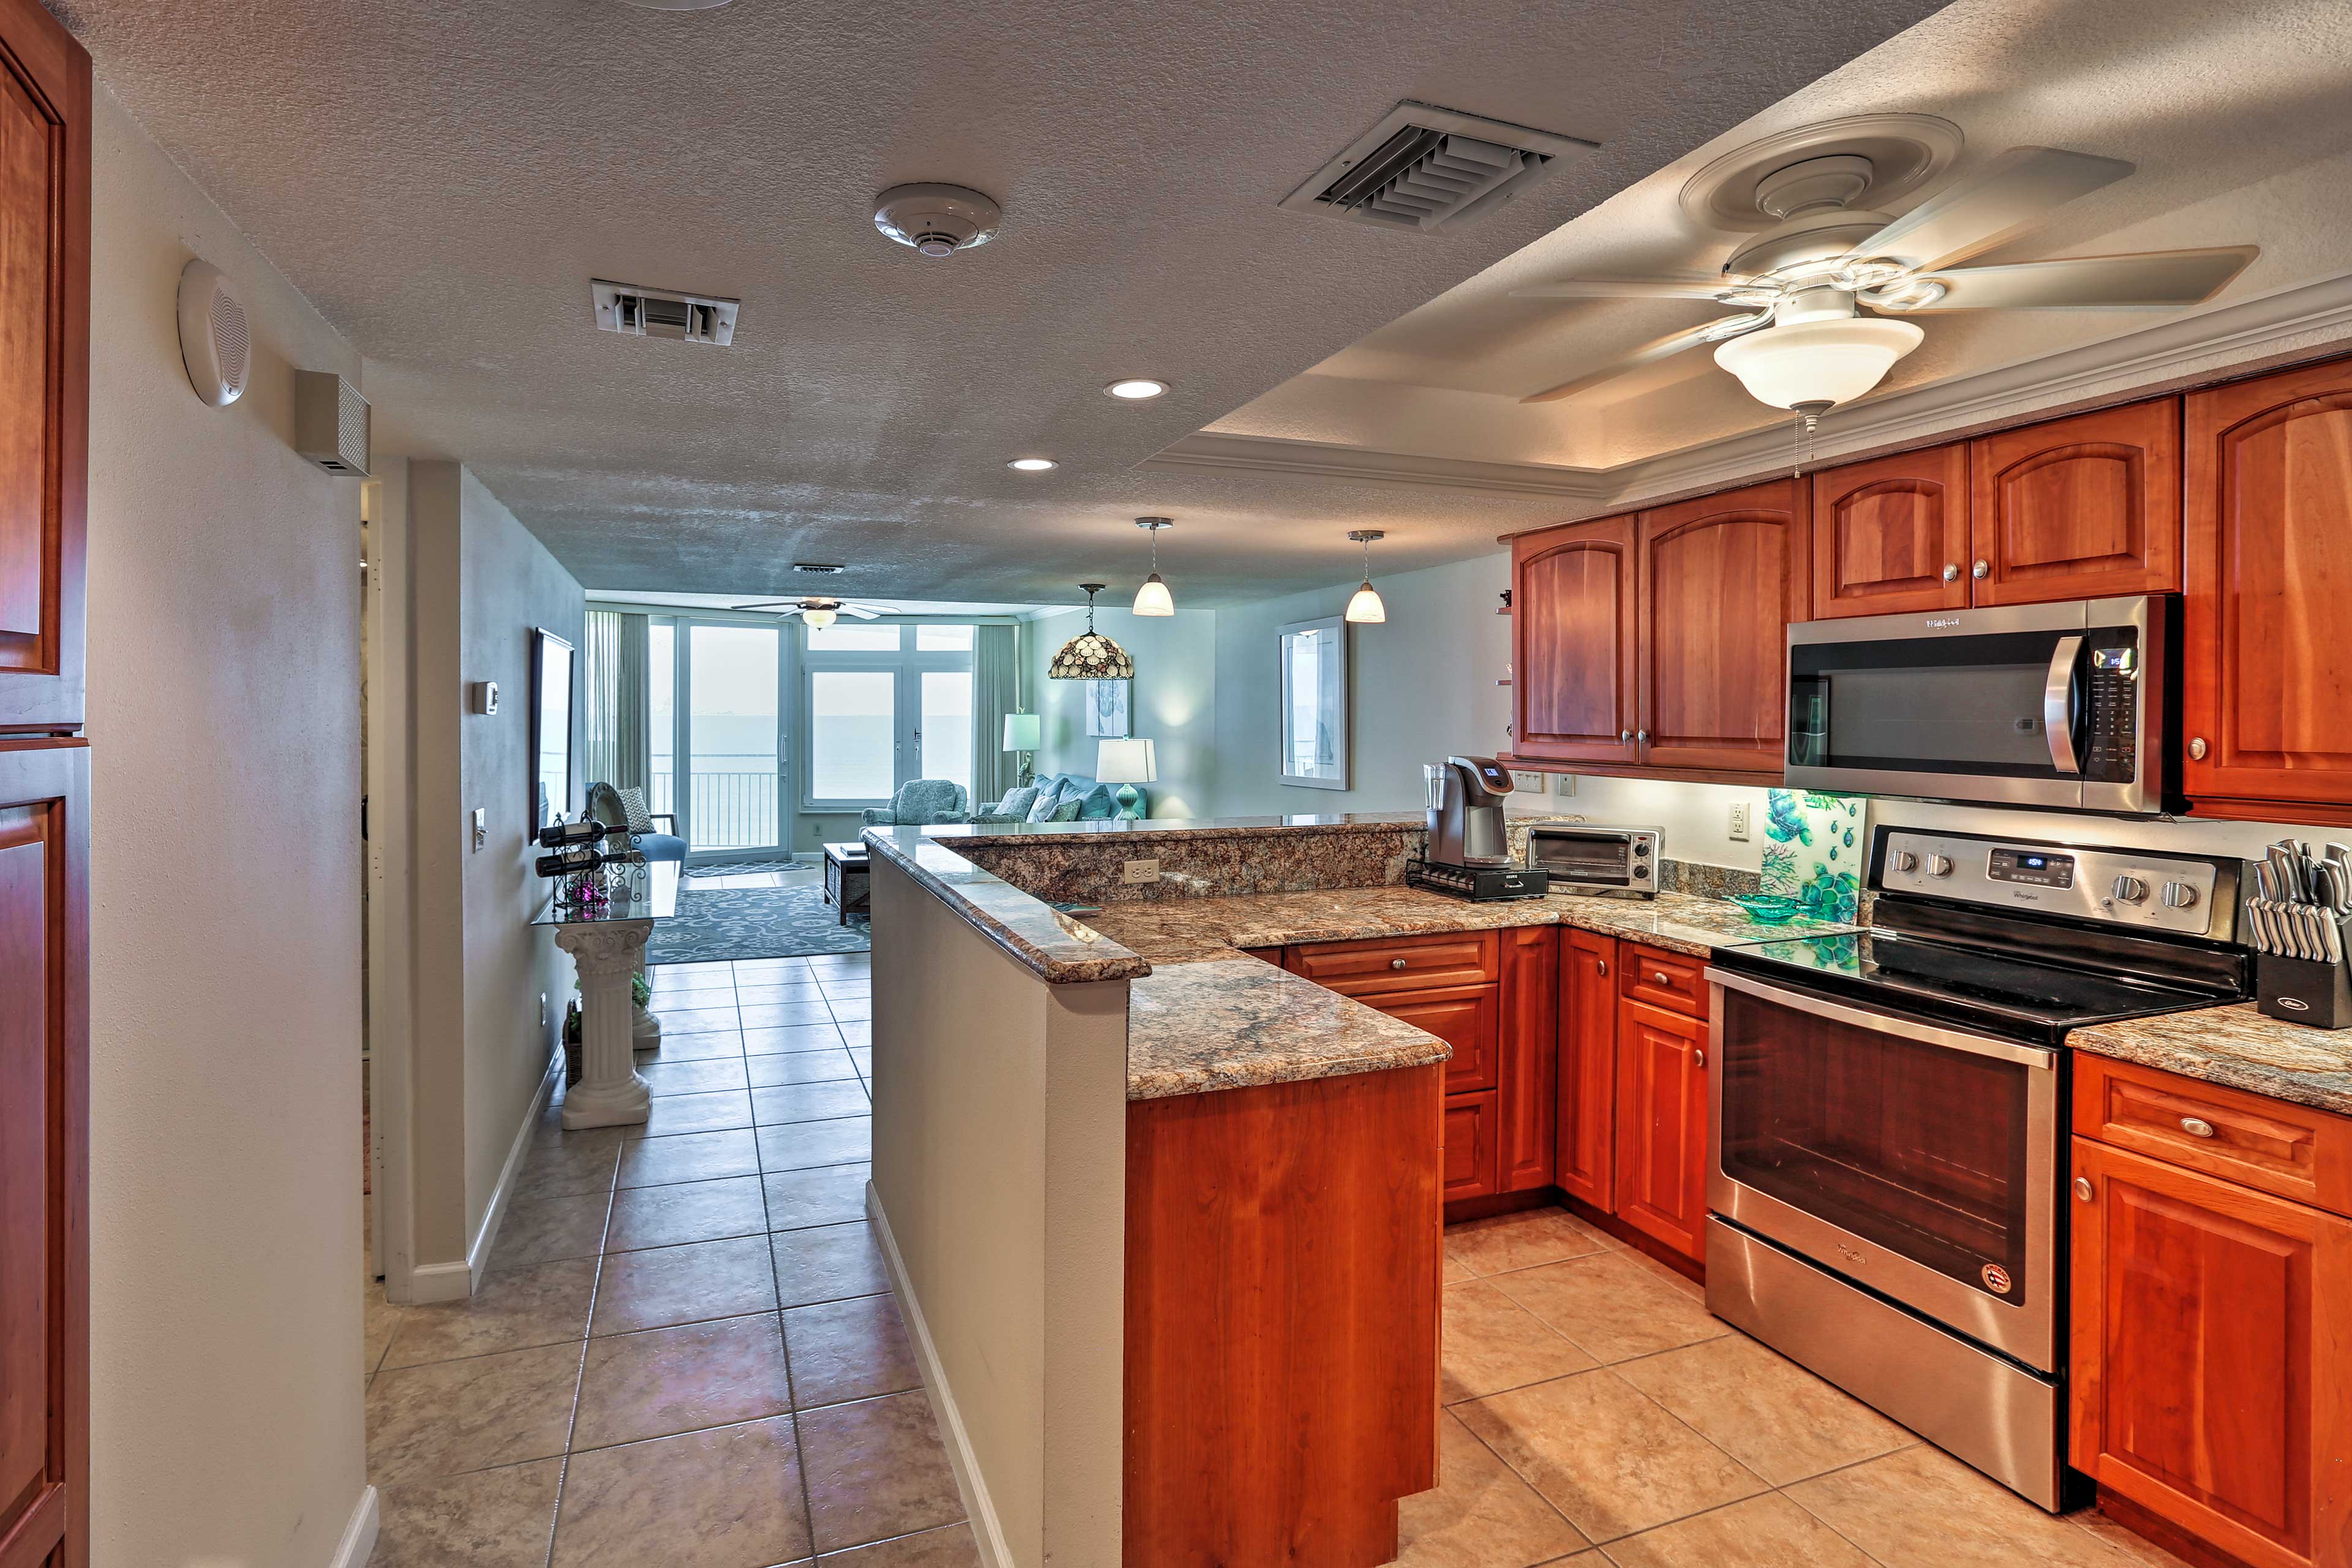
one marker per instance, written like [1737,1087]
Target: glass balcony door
[718,729]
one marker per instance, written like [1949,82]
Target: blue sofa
[1061,786]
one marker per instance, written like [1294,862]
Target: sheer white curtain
[618,737]
[996,691]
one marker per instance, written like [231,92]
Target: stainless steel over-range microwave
[2050,705]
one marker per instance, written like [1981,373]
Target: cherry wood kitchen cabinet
[2267,670]
[1585,1162]
[1574,681]
[1530,1003]
[1892,535]
[1719,581]
[1662,1125]
[2211,1344]
[2083,508]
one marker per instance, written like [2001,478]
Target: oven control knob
[2179,895]
[1939,865]
[1903,860]
[2130,889]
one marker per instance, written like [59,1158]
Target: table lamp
[1127,763]
[1024,732]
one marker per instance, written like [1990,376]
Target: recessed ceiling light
[1135,389]
[1032,465]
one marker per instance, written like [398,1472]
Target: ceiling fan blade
[1713,332]
[2011,193]
[2150,281]
[764,605]
[861,612]
[1623,289]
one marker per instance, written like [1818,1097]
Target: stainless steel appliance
[2053,705]
[1890,1120]
[1466,811]
[1590,857]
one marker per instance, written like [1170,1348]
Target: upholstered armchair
[917,802]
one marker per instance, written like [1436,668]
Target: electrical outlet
[1564,783]
[1136,873]
[542,1009]
[1739,822]
[481,828]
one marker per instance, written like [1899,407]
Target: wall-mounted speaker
[215,340]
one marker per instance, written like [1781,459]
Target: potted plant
[644,1028]
[571,1027]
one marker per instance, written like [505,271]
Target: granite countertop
[1230,1021]
[1147,831]
[2236,1046]
[1059,948]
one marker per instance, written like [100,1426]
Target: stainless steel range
[1890,1122]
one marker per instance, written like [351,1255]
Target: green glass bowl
[1767,909]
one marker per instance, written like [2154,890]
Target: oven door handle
[2058,705]
[2040,1056]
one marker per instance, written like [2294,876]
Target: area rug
[751,922]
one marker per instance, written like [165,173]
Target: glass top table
[649,893]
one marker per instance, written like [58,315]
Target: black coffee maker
[1467,852]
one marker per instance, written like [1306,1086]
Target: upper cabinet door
[1721,578]
[2267,679]
[44,365]
[1892,536]
[2085,508]
[1572,619]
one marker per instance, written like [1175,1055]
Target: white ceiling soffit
[2237,118]
[465,171]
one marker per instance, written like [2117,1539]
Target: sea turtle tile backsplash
[1813,850]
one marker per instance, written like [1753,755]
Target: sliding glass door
[734,740]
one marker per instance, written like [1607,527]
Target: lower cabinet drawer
[1472,1144]
[2271,1145]
[1663,979]
[1467,1017]
[1400,964]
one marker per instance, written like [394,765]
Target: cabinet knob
[1643,736]
[1951,573]
[1624,737]
[2197,749]
[1983,570]
[1601,966]
[2084,1190]
[1698,1057]
[1662,978]
[1396,963]
[2197,1127]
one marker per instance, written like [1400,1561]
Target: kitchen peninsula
[1161,1182]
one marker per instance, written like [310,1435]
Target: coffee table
[847,880]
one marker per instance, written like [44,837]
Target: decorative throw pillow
[1017,802]
[1042,808]
[1099,803]
[1066,808]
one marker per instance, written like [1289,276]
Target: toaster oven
[1588,857]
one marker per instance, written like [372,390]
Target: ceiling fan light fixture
[1818,362]
[1910,294]
[817,620]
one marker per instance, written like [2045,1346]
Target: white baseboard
[359,1536]
[431,1282]
[986,1530]
[477,1256]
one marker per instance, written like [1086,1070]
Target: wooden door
[2267,676]
[1466,1017]
[44,366]
[1573,642]
[2212,1339]
[1720,578]
[1473,1145]
[2083,508]
[1530,1058]
[1662,1121]
[44,1153]
[1892,535]
[1586,1157]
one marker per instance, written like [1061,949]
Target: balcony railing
[732,808]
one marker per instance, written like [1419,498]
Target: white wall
[1423,686]
[226,1259]
[1174,701]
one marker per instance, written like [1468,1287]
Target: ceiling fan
[1802,340]
[817,610]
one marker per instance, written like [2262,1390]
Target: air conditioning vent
[819,567]
[1422,167]
[642,312]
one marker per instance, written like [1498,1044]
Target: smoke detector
[937,220]
[216,339]
[637,311]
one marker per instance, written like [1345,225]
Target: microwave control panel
[2110,701]
[2125,886]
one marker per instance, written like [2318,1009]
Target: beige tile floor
[686,1353]
[1595,1414]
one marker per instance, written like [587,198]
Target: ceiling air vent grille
[822,568]
[1422,167]
[641,312]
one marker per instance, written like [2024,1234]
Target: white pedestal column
[609,1093]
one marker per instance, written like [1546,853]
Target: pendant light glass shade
[1819,362]
[1090,656]
[1365,608]
[1152,598]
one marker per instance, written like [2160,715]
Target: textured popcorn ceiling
[2238,115]
[443,178]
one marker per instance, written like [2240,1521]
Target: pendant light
[1365,608]
[1091,656]
[1152,599]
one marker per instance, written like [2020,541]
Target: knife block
[2304,991]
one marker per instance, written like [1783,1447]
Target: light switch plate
[1137,873]
[1527,779]
[1739,822]
[481,828]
